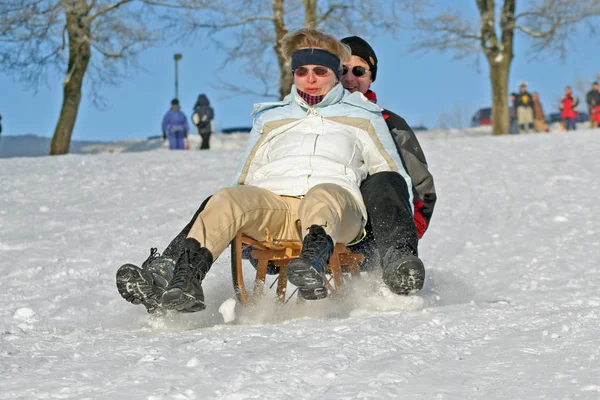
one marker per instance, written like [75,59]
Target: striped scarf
[310,100]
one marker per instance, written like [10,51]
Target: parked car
[583,117]
[483,116]
[555,117]
[239,129]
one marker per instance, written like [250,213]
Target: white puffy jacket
[293,147]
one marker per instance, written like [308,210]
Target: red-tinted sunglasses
[357,71]
[303,71]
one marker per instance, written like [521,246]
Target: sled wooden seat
[281,253]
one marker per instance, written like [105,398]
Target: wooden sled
[281,253]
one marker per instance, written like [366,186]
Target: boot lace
[317,247]
[184,270]
[154,254]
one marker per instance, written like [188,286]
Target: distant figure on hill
[568,109]
[203,119]
[524,104]
[539,118]
[175,127]
[593,102]
[514,125]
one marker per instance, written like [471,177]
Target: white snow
[227,310]
[35,146]
[510,310]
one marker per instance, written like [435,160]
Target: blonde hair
[312,38]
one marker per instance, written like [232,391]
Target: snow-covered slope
[510,310]
[37,146]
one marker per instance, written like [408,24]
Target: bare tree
[583,85]
[549,23]
[457,117]
[66,35]
[250,32]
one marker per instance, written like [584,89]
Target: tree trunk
[79,57]
[310,13]
[499,54]
[285,69]
[499,72]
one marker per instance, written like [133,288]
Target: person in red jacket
[568,109]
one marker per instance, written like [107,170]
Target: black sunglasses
[356,71]
[303,71]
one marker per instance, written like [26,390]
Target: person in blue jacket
[175,127]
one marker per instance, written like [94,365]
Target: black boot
[184,292]
[403,273]
[146,285]
[386,197]
[307,272]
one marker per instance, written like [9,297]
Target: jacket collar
[371,96]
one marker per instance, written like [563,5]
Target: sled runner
[280,253]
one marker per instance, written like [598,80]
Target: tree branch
[448,31]
[327,14]
[108,9]
[218,27]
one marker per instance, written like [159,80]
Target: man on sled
[304,164]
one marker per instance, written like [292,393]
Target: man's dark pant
[390,222]
[205,141]
[176,247]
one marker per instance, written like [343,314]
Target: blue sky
[420,87]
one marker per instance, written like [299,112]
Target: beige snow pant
[525,119]
[262,214]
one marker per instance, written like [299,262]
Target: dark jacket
[593,99]
[203,115]
[524,100]
[424,195]
[413,159]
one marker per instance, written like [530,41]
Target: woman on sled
[299,179]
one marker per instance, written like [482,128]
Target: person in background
[539,118]
[514,125]
[524,109]
[203,117]
[175,126]
[593,101]
[0,126]
[568,109]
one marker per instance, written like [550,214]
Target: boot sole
[407,277]
[134,288]
[177,299]
[310,283]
